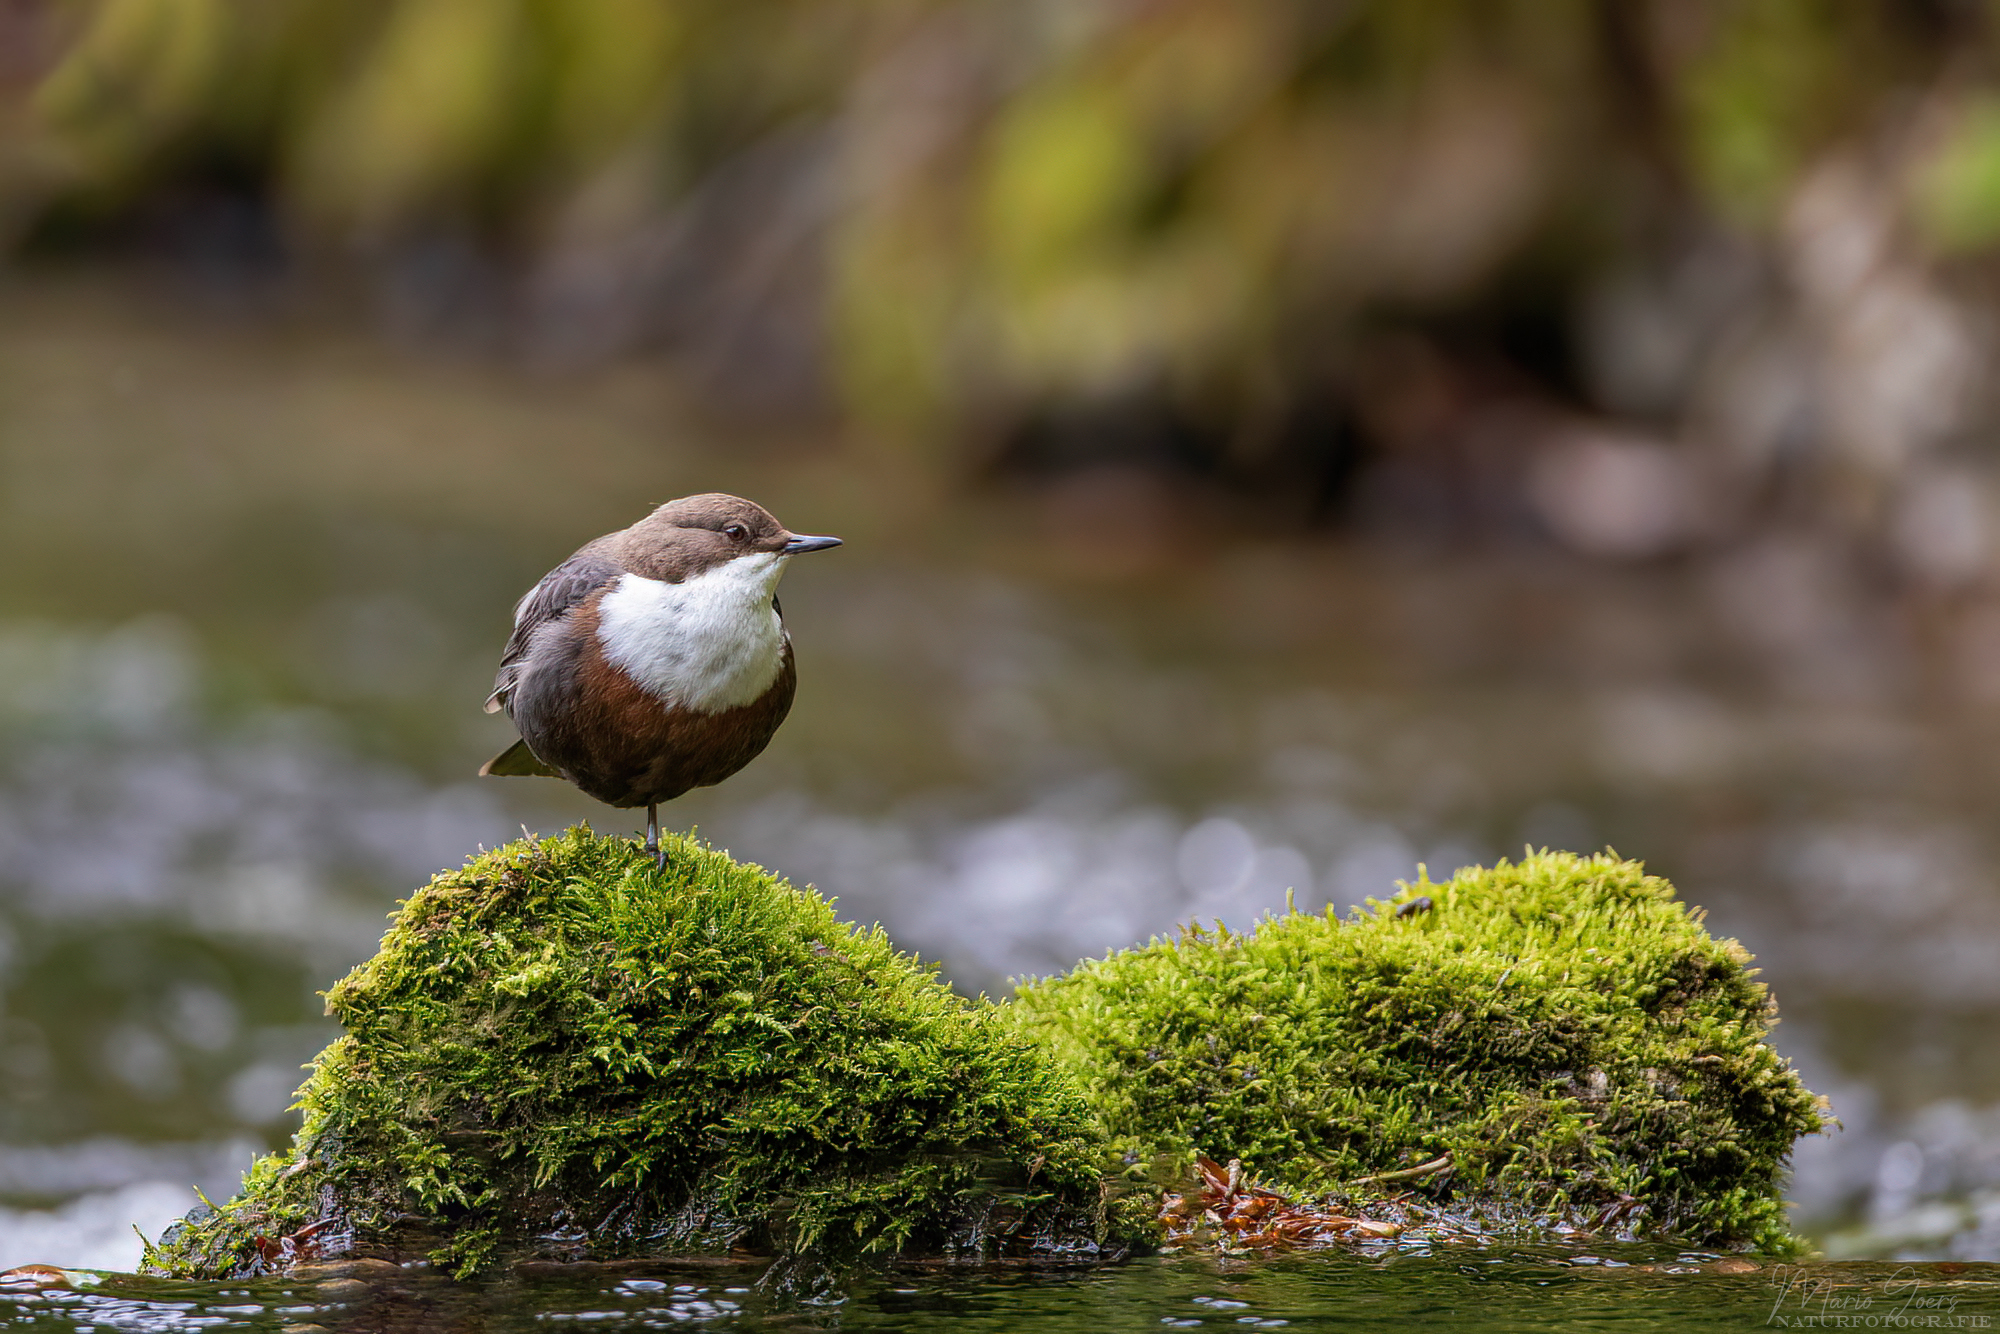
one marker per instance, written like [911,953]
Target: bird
[655,659]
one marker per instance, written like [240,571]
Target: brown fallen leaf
[1254,1218]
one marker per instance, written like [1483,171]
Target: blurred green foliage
[1024,203]
[1960,193]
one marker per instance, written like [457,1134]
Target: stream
[263,571]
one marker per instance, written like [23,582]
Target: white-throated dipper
[655,659]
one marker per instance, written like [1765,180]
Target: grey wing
[560,589]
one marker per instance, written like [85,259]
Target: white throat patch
[709,643]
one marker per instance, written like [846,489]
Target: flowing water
[1633,1288]
[261,573]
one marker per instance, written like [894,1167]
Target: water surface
[1623,1288]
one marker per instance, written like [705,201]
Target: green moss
[560,1051]
[563,1053]
[1563,1028]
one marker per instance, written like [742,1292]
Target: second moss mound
[1562,1032]
[563,1053]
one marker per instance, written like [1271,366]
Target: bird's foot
[652,846]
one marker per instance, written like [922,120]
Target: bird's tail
[517,761]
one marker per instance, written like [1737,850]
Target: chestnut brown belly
[625,747]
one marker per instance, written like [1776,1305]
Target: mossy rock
[1563,1028]
[562,1053]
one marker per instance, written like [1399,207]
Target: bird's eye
[735,532]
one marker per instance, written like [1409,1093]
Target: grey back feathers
[560,589]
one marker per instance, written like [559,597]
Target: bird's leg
[653,848]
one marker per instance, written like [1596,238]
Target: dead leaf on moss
[1249,1217]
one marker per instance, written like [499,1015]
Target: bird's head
[695,534]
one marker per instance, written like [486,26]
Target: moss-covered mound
[1563,1028]
[563,1053]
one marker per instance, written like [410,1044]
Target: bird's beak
[800,545]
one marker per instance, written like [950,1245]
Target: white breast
[709,643]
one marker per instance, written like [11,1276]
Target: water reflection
[1487,1288]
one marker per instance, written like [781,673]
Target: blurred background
[1279,444]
